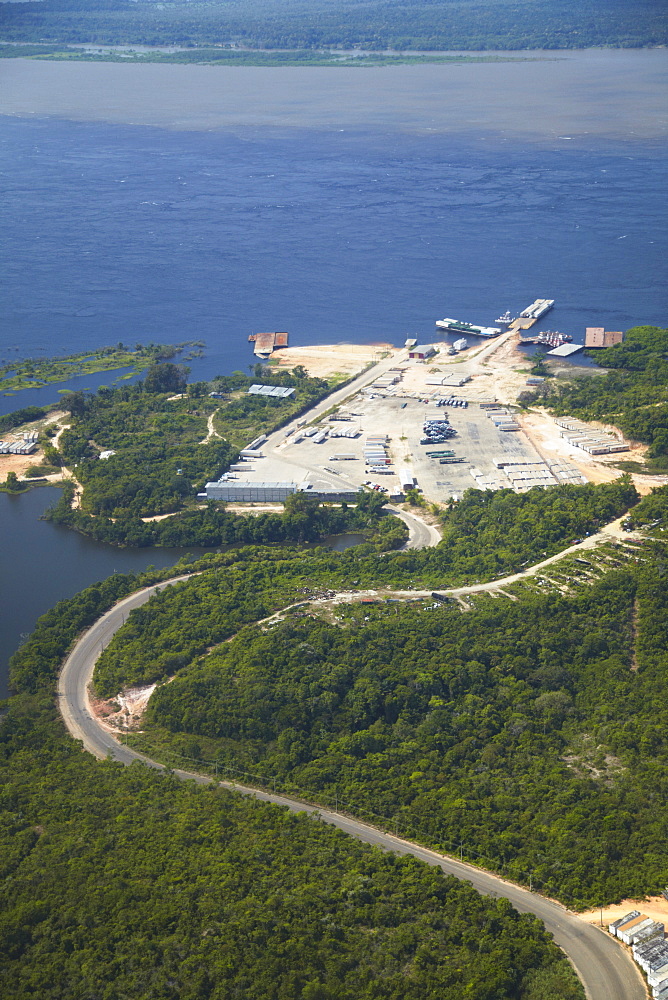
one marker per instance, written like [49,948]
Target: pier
[524,321]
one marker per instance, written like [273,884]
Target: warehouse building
[278,391]
[247,491]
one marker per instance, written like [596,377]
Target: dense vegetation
[163,451]
[652,510]
[127,882]
[411,24]
[633,394]
[304,519]
[162,637]
[25,415]
[529,732]
[529,735]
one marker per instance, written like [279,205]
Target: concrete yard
[395,396]
[400,415]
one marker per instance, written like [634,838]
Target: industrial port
[438,418]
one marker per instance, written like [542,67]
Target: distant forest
[344,24]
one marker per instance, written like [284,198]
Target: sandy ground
[234,508]
[18,464]
[655,907]
[162,517]
[21,463]
[325,360]
[543,433]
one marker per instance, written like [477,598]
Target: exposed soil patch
[125,711]
[328,360]
[654,906]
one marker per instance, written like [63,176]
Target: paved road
[420,534]
[605,969]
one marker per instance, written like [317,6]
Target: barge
[458,326]
[265,343]
[537,309]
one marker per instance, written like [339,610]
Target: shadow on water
[345,541]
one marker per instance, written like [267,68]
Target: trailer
[450,461]
[342,457]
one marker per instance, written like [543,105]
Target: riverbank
[228,55]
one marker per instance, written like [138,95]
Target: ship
[461,344]
[457,326]
[506,319]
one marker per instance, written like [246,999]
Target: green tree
[165,377]
[12,482]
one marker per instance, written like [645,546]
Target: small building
[597,336]
[628,931]
[422,351]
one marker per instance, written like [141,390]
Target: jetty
[265,343]
[524,321]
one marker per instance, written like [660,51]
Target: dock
[524,321]
[265,343]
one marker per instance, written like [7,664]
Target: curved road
[605,969]
[420,534]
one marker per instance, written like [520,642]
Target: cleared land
[495,371]
[330,360]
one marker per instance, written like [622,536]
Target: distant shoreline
[205,55]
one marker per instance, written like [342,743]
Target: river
[172,203]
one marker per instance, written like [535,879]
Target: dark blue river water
[366,217]
[116,232]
